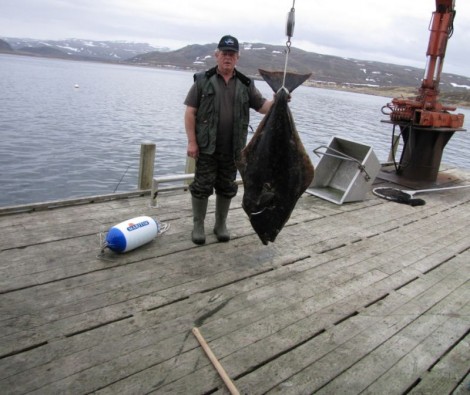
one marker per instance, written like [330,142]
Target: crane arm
[425,109]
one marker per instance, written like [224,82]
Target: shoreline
[458,99]
[450,98]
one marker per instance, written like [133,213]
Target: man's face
[226,60]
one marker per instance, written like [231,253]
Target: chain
[289,32]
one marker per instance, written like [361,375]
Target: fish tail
[275,79]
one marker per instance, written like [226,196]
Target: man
[216,121]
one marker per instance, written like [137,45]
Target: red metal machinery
[425,124]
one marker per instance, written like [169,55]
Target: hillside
[330,72]
[5,47]
[326,69]
[78,49]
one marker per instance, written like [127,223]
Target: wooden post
[147,160]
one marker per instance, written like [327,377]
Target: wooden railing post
[147,160]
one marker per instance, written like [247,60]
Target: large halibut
[274,166]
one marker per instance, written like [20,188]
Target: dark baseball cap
[228,43]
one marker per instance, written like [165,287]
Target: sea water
[72,129]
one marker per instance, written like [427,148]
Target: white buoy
[131,234]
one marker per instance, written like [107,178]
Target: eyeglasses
[229,54]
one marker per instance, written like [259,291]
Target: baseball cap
[228,43]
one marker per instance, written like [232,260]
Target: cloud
[370,30]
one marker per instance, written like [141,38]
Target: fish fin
[275,78]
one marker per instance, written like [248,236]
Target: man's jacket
[207,116]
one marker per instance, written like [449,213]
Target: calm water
[61,141]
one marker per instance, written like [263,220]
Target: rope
[163,227]
[119,183]
[285,67]
[103,242]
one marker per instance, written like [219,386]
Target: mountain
[78,49]
[330,71]
[5,47]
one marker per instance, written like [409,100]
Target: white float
[131,234]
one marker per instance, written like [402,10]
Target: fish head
[260,201]
[262,224]
[261,212]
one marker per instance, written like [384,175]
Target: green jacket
[207,116]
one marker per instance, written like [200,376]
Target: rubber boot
[222,205]
[199,215]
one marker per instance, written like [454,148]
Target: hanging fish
[275,166]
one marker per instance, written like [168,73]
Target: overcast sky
[387,31]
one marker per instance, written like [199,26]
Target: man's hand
[190,126]
[193,150]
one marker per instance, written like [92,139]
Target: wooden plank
[400,361]
[131,270]
[140,378]
[415,364]
[91,305]
[461,389]
[334,274]
[27,208]
[38,231]
[317,374]
[76,263]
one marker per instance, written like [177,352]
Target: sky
[377,30]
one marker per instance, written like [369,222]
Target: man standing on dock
[216,122]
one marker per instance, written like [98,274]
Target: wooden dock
[371,297]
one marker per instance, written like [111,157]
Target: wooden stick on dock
[223,374]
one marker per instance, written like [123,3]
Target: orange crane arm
[425,109]
[441,27]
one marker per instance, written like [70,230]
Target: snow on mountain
[96,50]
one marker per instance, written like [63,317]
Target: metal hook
[289,33]
[290,24]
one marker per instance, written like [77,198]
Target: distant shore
[457,99]
[460,99]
